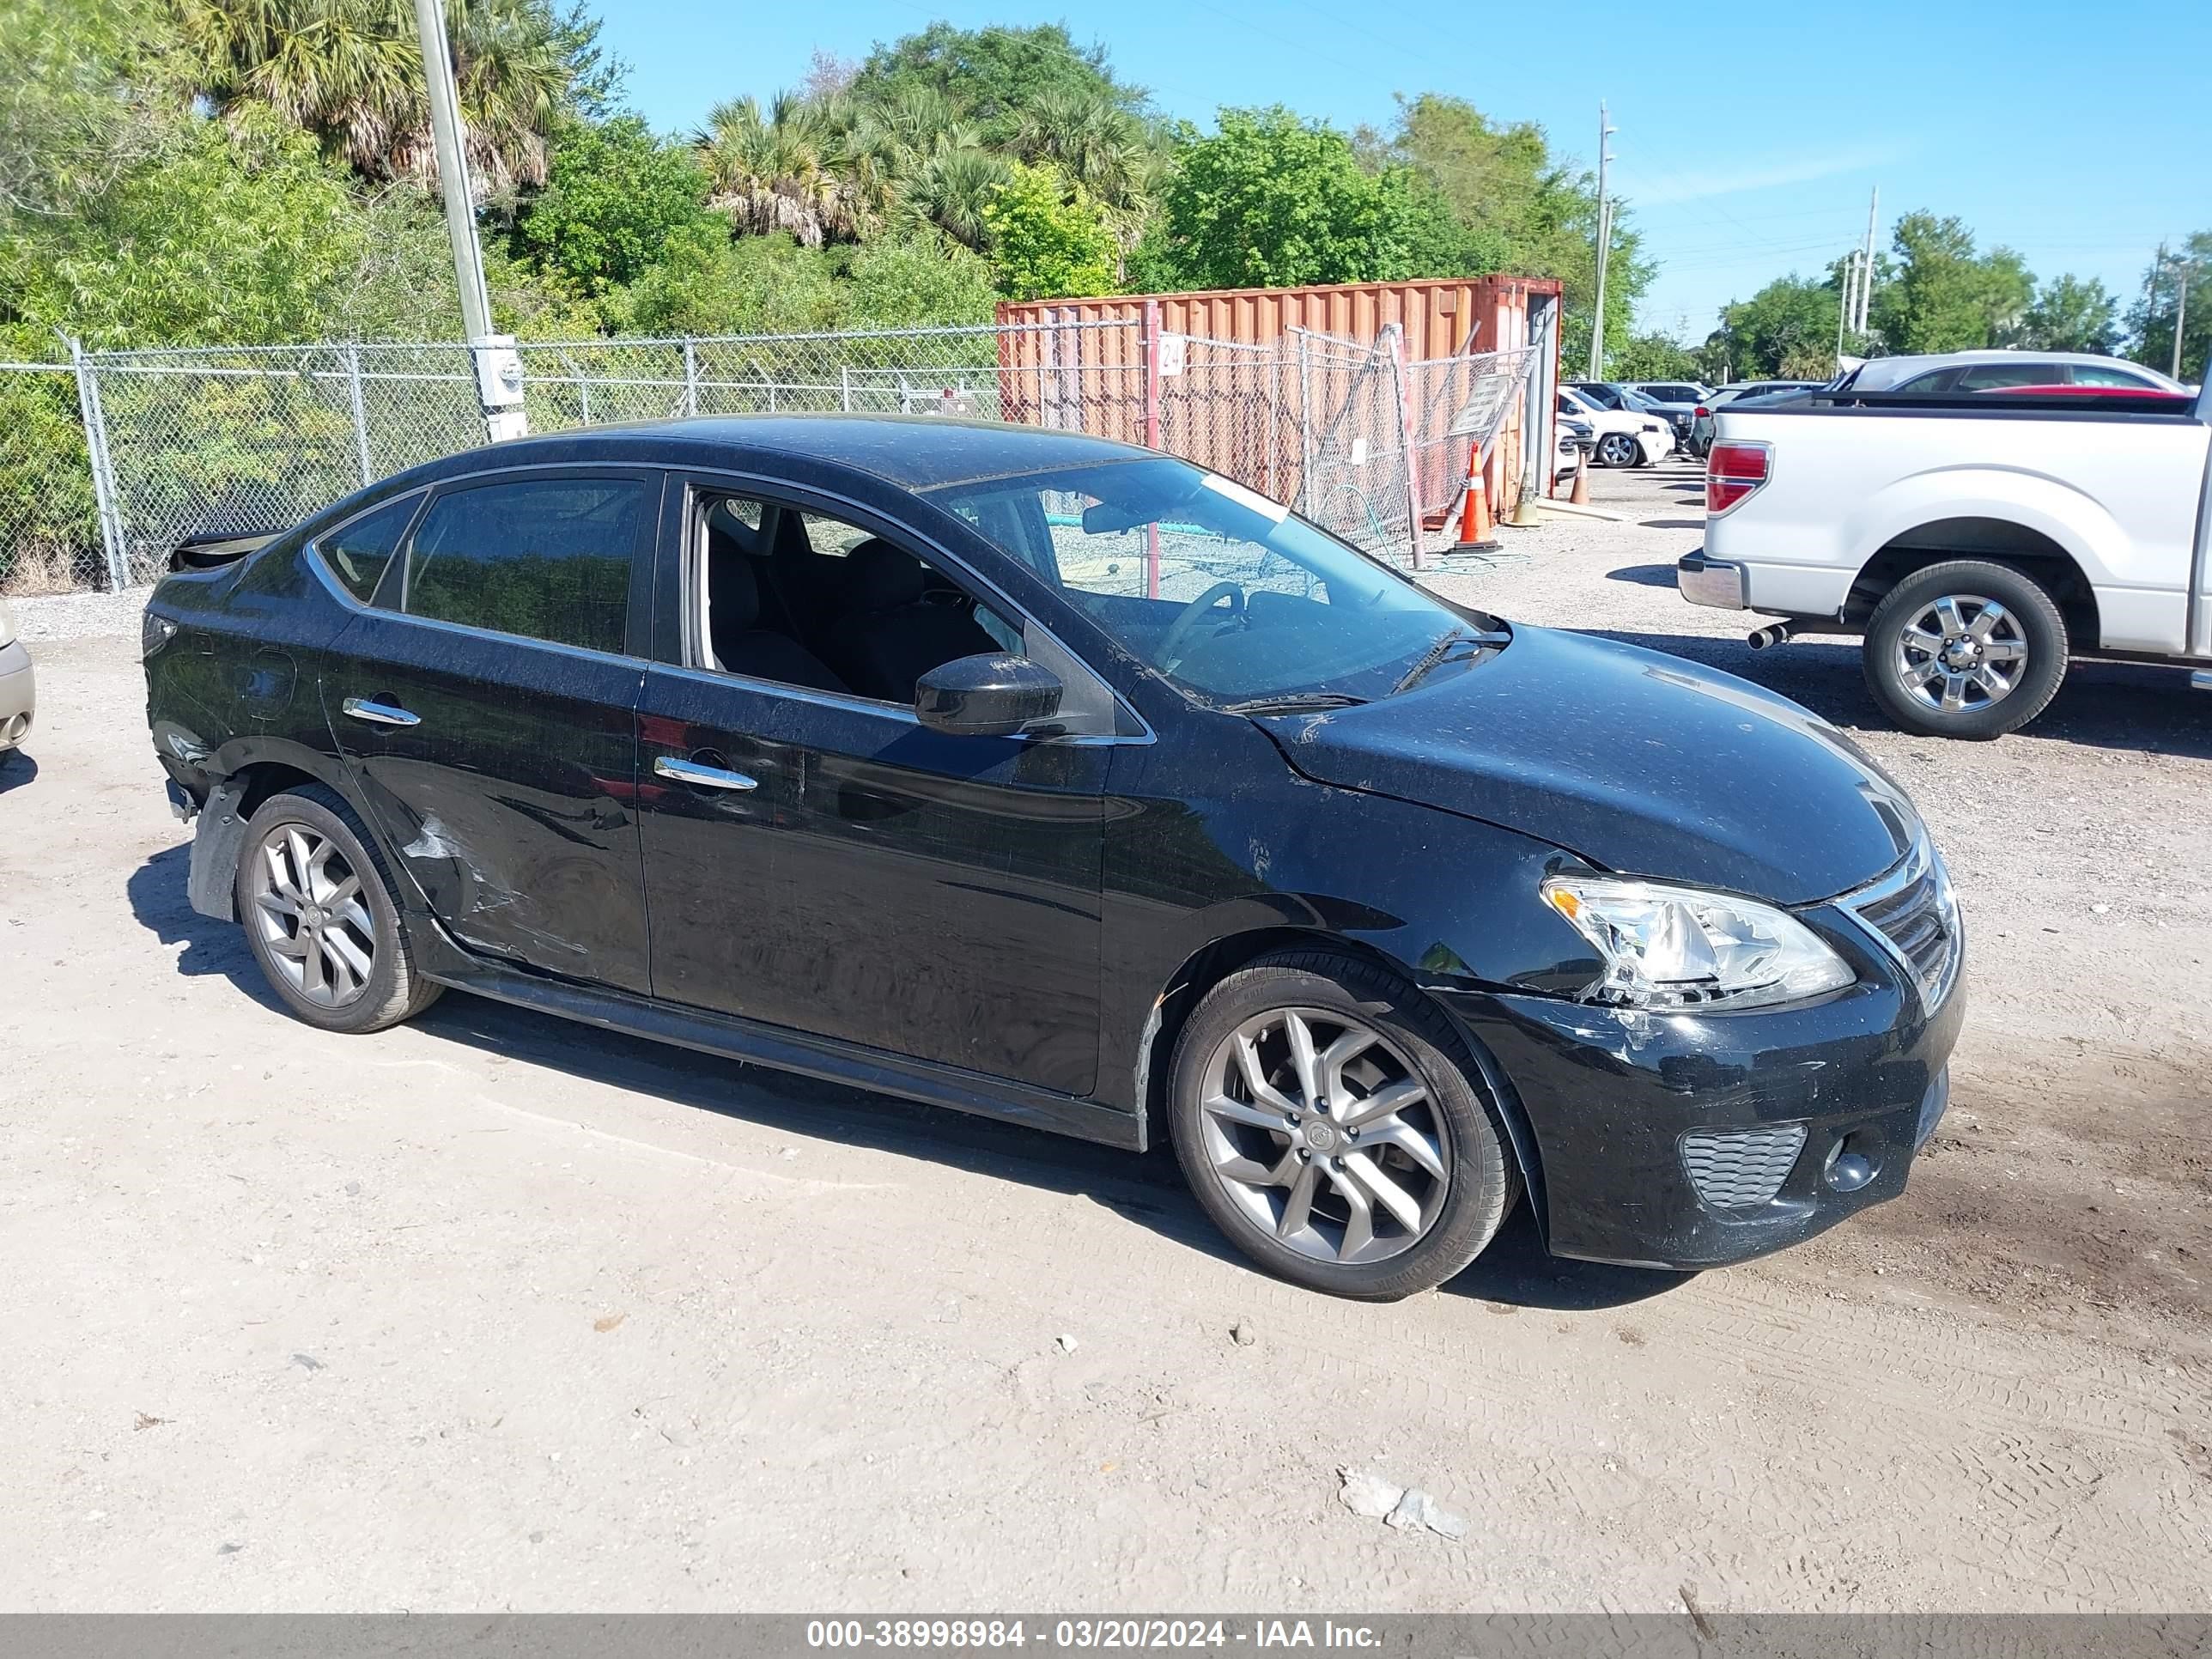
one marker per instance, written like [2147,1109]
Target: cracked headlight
[1676,947]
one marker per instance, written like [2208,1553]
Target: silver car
[18,697]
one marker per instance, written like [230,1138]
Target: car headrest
[879,577]
[735,591]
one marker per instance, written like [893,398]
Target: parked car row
[1626,436]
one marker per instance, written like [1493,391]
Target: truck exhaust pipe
[1767,638]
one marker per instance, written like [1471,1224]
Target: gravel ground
[493,1311]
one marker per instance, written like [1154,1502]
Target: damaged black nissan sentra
[1053,779]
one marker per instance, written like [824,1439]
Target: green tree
[351,71]
[1946,296]
[914,281]
[614,196]
[2151,318]
[1502,181]
[1047,237]
[87,90]
[1653,357]
[993,76]
[1787,329]
[2071,315]
[771,169]
[144,264]
[1269,200]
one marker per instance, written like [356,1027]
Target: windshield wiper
[1291,702]
[1431,658]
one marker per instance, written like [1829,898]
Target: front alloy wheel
[1334,1124]
[1324,1134]
[1618,449]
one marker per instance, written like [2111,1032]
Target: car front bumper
[18,700]
[1684,1140]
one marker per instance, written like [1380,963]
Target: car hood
[1645,764]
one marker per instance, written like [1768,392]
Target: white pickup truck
[1978,541]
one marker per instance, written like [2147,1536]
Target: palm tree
[952,187]
[771,170]
[351,71]
[1090,138]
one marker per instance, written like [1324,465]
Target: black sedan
[1056,779]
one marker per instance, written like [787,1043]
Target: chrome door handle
[703,777]
[378,713]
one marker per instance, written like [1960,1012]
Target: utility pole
[1604,245]
[2183,269]
[1866,267]
[498,365]
[1846,302]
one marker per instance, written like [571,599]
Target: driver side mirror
[991,695]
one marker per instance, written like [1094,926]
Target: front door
[817,859]
[486,703]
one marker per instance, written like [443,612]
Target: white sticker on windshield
[1272,512]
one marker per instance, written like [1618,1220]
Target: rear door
[487,700]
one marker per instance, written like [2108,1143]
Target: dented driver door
[500,766]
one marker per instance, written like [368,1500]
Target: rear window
[542,558]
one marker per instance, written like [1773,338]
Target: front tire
[319,914]
[1618,449]
[1964,649]
[1334,1127]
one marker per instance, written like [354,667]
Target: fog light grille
[1736,1168]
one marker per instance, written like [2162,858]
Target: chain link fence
[108,462]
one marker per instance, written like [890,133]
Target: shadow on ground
[1147,1190]
[2105,705]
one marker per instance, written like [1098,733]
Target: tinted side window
[356,553]
[1991,377]
[545,558]
[2100,374]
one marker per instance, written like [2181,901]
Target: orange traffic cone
[1475,532]
[1579,495]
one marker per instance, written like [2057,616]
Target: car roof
[1879,374]
[914,452]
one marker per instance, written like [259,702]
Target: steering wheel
[1194,613]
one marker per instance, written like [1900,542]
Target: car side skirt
[440,959]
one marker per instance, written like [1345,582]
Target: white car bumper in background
[18,696]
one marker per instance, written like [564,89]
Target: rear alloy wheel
[1965,649]
[318,913]
[1618,449]
[1326,1120]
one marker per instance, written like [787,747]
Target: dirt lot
[494,1312]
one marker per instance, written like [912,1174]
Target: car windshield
[1225,592]
[1634,399]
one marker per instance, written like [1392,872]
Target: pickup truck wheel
[1964,649]
[1618,449]
[318,906]
[1333,1125]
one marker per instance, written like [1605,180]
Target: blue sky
[1748,138]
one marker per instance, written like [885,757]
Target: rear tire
[1387,1176]
[321,916]
[1964,649]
